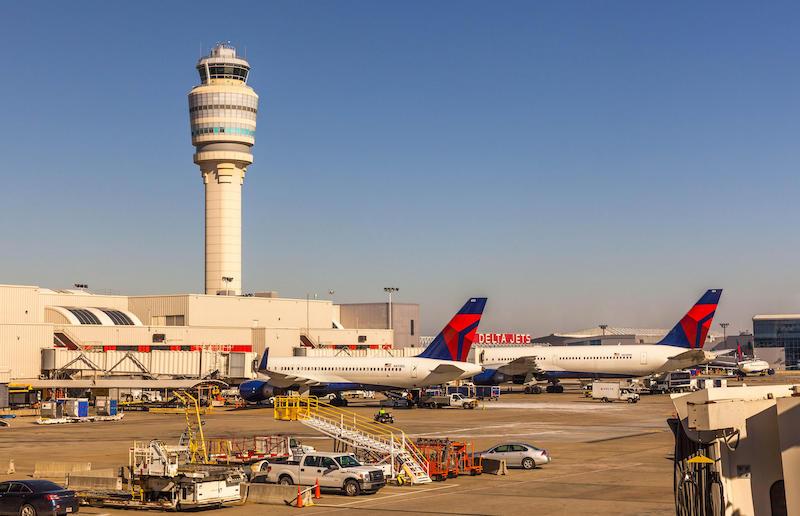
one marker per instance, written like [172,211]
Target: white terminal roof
[768,317]
[612,330]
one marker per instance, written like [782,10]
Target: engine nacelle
[254,391]
[491,377]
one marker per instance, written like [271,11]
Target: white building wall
[20,349]
[20,304]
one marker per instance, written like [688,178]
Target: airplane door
[414,371]
[643,358]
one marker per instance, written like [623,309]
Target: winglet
[691,331]
[455,340]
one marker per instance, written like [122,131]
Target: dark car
[36,497]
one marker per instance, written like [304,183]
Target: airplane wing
[689,358]
[520,366]
[286,380]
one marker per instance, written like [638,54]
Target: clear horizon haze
[577,163]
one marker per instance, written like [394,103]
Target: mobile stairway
[358,432]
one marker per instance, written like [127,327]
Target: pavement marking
[576,406]
[367,500]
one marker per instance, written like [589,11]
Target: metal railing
[393,440]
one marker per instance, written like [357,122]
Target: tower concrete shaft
[222,112]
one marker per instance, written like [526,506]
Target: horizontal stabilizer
[447,369]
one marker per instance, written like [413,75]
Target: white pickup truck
[340,471]
[450,400]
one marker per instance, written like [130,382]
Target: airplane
[679,349]
[752,366]
[444,360]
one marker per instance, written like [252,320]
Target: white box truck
[613,391]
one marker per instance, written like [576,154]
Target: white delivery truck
[613,391]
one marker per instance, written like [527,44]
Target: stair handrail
[312,406]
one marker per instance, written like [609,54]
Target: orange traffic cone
[316,490]
[299,498]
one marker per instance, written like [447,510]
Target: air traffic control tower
[222,112]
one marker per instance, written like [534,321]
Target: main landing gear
[554,387]
[338,400]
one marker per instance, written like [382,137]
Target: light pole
[603,327]
[228,280]
[390,291]
[724,332]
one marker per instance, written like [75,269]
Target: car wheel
[351,488]
[528,463]
[27,510]
[285,480]
[527,390]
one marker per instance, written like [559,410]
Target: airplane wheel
[536,389]
[558,389]
[550,389]
[528,390]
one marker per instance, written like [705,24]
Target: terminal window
[174,320]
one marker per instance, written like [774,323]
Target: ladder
[358,432]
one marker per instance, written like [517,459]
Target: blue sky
[577,162]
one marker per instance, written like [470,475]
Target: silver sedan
[521,455]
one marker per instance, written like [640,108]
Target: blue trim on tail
[711,297]
[262,366]
[438,348]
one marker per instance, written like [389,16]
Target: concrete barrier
[494,467]
[274,494]
[59,470]
[79,481]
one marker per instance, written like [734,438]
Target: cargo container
[468,391]
[52,410]
[105,406]
[76,407]
[487,392]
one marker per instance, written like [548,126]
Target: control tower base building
[222,112]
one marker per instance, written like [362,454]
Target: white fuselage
[754,366]
[403,373]
[589,361]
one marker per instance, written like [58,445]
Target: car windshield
[348,461]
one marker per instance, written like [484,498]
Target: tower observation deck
[222,113]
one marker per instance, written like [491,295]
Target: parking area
[608,457]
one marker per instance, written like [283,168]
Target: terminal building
[191,335]
[778,335]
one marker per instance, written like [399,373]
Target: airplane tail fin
[739,352]
[691,331]
[262,366]
[455,340]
